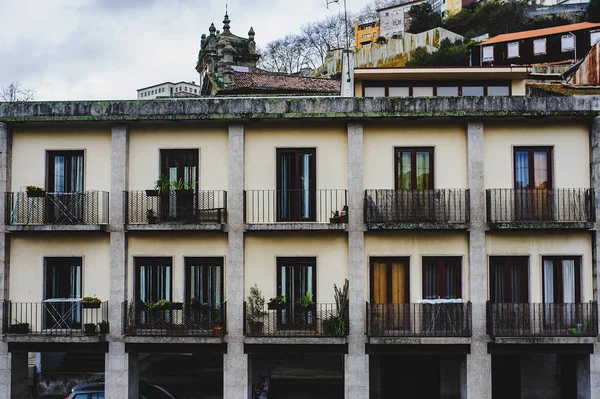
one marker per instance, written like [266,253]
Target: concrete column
[5,186]
[479,362]
[235,362]
[118,239]
[595,185]
[356,373]
[122,372]
[13,374]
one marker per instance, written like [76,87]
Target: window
[374,91]
[153,279]
[399,91]
[295,278]
[204,279]
[488,53]
[448,91]
[414,168]
[562,277]
[472,91]
[442,277]
[62,280]
[296,184]
[366,36]
[567,43]
[594,37]
[508,279]
[390,280]
[498,91]
[180,164]
[533,167]
[64,179]
[539,46]
[513,50]
[422,91]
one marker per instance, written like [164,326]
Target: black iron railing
[542,319]
[540,205]
[419,320]
[46,208]
[320,206]
[176,319]
[186,206]
[417,206]
[54,317]
[291,320]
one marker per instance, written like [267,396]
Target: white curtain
[548,281]
[568,270]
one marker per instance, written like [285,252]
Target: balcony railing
[419,320]
[186,207]
[42,208]
[274,206]
[177,319]
[542,319]
[60,317]
[507,205]
[417,206]
[322,320]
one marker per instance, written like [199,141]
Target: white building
[168,90]
[394,20]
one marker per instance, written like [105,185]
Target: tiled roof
[280,83]
[507,37]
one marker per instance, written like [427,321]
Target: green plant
[306,300]
[256,304]
[162,185]
[178,184]
[160,304]
[34,188]
[217,318]
[278,300]
[91,299]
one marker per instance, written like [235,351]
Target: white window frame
[596,34]
[570,38]
[512,46]
[488,57]
[537,43]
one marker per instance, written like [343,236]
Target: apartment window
[562,279]
[498,91]
[450,91]
[390,280]
[508,279]
[374,91]
[366,36]
[296,184]
[488,53]
[180,164]
[204,279]
[472,91]
[62,280]
[442,277]
[594,37]
[533,167]
[567,43]
[414,168]
[295,278]
[422,91]
[64,171]
[513,50]
[539,46]
[153,279]
[398,91]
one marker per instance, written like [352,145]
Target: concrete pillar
[13,374]
[356,373]
[595,184]
[583,376]
[235,362]
[122,372]
[5,186]
[479,362]
[595,372]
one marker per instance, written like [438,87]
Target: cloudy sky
[106,49]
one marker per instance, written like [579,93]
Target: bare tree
[328,34]
[15,92]
[289,54]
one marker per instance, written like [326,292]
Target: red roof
[274,82]
[509,37]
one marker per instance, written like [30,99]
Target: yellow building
[462,216]
[365,34]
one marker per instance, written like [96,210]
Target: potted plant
[151,215]
[18,328]
[103,326]
[255,311]
[90,302]
[276,303]
[161,187]
[182,188]
[305,303]
[217,321]
[89,329]
[35,191]
[335,218]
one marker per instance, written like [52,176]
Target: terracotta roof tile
[507,37]
[274,82]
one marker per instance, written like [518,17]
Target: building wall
[262,250]
[27,263]
[570,154]
[178,246]
[416,245]
[145,144]
[29,154]
[448,140]
[545,244]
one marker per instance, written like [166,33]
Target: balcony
[46,211]
[175,319]
[540,208]
[446,209]
[419,320]
[542,319]
[59,317]
[322,320]
[186,210]
[296,209]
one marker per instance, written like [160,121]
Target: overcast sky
[106,49]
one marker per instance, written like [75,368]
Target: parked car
[95,390]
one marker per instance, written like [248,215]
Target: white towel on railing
[439,301]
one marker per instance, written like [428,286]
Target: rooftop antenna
[347,49]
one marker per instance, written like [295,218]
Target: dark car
[95,390]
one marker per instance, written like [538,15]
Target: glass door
[533,184]
[296,278]
[181,168]
[63,282]
[390,293]
[296,185]
[65,197]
